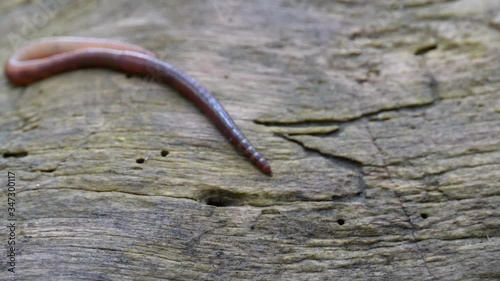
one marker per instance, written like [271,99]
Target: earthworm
[51,56]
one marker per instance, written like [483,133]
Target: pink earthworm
[51,56]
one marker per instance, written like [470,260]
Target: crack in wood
[333,121]
[401,204]
[356,165]
[348,163]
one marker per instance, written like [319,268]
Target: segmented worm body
[51,56]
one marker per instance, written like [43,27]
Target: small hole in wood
[51,170]
[424,215]
[340,221]
[164,153]
[140,160]
[219,202]
[17,154]
[425,49]
[221,198]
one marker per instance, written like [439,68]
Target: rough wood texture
[381,120]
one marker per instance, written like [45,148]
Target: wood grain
[381,121]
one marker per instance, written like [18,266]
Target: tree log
[381,120]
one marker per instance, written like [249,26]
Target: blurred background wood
[381,120]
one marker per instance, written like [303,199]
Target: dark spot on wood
[361,80]
[140,160]
[221,198]
[340,221]
[164,153]
[16,154]
[51,170]
[424,215]
[425,49]
[220,201]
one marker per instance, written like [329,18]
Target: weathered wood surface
[381,120]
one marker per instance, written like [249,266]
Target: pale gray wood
[381,120]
